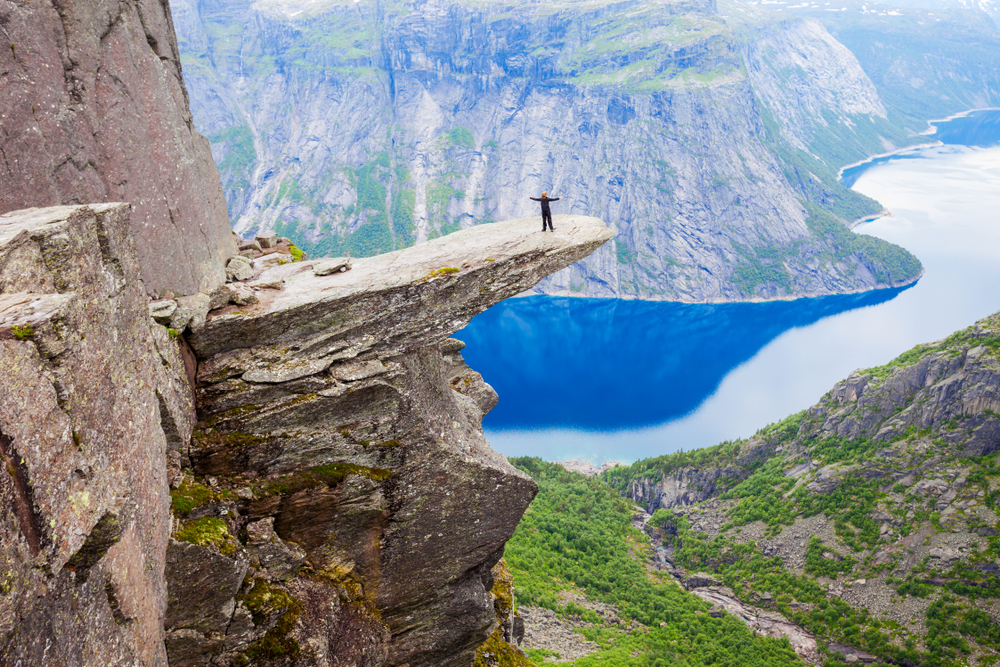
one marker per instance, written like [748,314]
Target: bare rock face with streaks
[367,127]
[94,109]
[84,399]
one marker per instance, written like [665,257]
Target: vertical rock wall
[84,504]
[93,109]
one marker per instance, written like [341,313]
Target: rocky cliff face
[285,470]
[333,501]
[336,424]
[884,494]
[94,110]
[369,126]
[88,391]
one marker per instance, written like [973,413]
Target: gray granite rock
[268,240]
[191,311]
[162,311]
[94,110]
[239,268]
[328,266]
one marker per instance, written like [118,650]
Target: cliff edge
[333,499]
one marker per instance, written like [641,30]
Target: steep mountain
[869,521]
[927,58]
[708,142]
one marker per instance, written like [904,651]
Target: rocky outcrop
[938,386]
[87,402]
[358,129]
[881,500]
[342,442]
[689,485]
[94,109]
[336,502]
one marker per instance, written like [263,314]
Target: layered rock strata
[340,449]
[94,109]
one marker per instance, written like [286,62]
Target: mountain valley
[710,140]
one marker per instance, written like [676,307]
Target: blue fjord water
[621,380]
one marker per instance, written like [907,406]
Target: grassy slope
[956,625]
[579,532]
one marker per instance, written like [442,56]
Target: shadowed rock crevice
[24,504]
[102,537]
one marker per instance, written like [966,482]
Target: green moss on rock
[191,495]
[326,475]
[264,602]
[208,531]
[495,652]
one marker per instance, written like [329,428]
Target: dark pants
[547,217]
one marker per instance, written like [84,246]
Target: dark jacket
[545,202]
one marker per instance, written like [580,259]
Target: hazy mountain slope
[361,127]
[870,519]
[928,58]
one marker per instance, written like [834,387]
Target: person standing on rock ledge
[546,213]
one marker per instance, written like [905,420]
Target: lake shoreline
[720,301]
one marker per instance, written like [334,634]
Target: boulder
[328,266]
[239,268]
[191,311]
[162,311]
[243,295]
[268,240]
[220,297]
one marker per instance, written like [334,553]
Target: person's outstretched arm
[554,198]
[534,199]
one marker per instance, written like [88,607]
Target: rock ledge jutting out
[333,501]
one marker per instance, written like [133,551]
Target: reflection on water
[600,364]
[600,380]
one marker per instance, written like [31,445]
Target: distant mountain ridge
[709,139]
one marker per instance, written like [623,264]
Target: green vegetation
[208,531]
[766,266]
[623,253]
[578,534]
[763,266]
[439,273]
[820,564]
[462,136]
[858,496]
[888,262]
[191,495]
[264,603]
[23,332]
